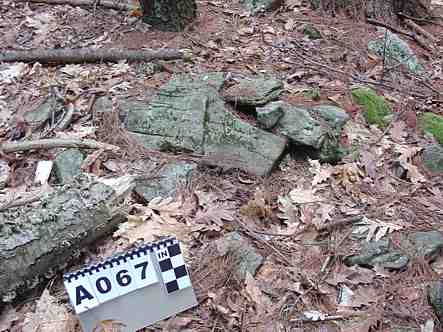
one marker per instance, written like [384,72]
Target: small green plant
[314,94]
[375,107]
[432,124]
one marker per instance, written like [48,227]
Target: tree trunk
[169,15]
[384,10]
[38,241]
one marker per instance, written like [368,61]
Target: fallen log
[103,3]
[40,240]
[84,55]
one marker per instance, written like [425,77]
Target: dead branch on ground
[56,143]
[103,3]
[82,55]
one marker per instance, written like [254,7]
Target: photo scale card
[137,288]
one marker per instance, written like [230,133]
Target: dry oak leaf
[157,219]
[109,325]
[49,316]
[321,172]
[216,214]
[303,196]
[255,294]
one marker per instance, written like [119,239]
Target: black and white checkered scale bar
[169,257]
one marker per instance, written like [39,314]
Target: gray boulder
[254,91]
[270,114]
[433,158]
[68,164]
[318,128]
[166,183]
[189,115]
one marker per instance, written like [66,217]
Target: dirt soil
[301,284]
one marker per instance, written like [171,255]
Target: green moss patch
[432,124]
[375,107]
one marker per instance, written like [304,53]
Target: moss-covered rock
[432,124]
[376,109]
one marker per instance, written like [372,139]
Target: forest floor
[302,281]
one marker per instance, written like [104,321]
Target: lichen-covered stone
[189,115]
[165,183]
[376,109]
[394,50]
[255,91]
[68,164]
[270,114]
[257,6]
[318,128]
[433,158]
[379,253]
[310,31]
[245,256]
[432,124]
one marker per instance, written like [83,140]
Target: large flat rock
[189,115]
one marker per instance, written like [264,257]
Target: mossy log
[169,15]
[38,241]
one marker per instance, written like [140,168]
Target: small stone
[433,158]
[427,244]
[435,295]
[68,165]
[254,91]
[270,114]
[311,31]
[166,184]
[246,257]
[379,253]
